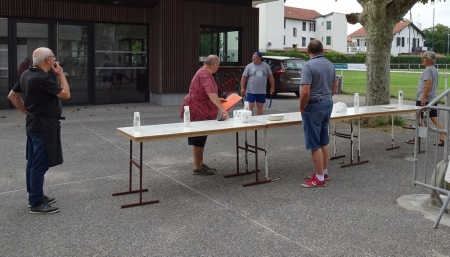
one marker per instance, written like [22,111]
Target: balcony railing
[356,49]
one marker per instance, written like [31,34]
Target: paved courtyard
[355,215]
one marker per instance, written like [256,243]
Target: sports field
[355,82]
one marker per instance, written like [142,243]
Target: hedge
[359,57]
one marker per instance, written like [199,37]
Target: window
[328,25]
[403,41]
[294,32]
[4,55]
[312,26]
[118,48]
[304,26]
[284,40]
[303,41]
[328,41]
[398,41]
[284,23]
[311,39]
[221,41]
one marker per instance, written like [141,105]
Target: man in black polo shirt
[38,96]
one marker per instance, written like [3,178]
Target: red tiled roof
[361,32]
[349,39]
[299,13]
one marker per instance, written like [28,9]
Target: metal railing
[356,49]
[421,167]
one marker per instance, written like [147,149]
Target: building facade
[408,38]
[297,26]
[156,45]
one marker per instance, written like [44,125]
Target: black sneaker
[48,200]
[206,167]
[203,172]
[43,209]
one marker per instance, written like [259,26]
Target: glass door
[72,45]
[29,37]
[4,74]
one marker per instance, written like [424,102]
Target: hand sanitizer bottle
[356,102]
[137,121]
[400,97]
[246,105]
[187,117]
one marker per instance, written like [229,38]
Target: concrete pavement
[355,215]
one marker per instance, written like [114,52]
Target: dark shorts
[433,113]
[259,98]
[197,141]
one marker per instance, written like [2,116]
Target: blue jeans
[37,166]
[316,119]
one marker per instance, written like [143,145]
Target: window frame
[219,33]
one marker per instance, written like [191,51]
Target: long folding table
[213,127]
[178,130]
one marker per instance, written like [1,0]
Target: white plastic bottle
[137,121]
[400,97]
[246,105]
[356,102]
[187,117]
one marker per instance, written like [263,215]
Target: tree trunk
[378,42]
[379,18]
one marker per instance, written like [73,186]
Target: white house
[270,26]
[407,37]
[299,26]
[283,27]
[331,29]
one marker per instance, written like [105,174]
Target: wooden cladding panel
[73,11]
[180,37]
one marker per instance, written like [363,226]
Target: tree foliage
[437,38]
[379,18]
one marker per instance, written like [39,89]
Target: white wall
[271,22]
[338,32]
[408,33]
[288,32]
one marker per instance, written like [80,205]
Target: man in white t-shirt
[254,81]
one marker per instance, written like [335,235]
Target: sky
[422,14]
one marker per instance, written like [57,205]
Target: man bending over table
[204,104]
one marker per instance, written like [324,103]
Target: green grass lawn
[355,82]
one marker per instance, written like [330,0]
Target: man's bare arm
[17,101]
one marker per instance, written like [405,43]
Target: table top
[196,128]
[260,122]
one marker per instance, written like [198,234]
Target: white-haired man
[427,90]
[38,96]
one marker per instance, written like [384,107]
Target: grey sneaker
[206,167]
[203,172]
[43,209]
[47,199]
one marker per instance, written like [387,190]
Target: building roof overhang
[152,3]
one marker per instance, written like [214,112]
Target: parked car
[286,72]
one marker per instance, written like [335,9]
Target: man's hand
[423,102]
[242,91]
[272,89]
[58,70]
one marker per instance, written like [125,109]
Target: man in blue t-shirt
[254,81]
[319,84]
